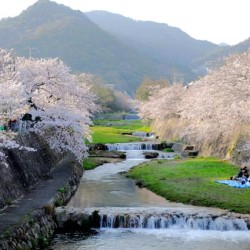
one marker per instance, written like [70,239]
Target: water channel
[108,190]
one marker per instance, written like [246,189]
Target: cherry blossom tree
[11,90]
[163,103]
[59,106]
[221,97]
[217,104]
[12,103]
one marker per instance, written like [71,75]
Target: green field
[192,181]
[130,125]
[111,131]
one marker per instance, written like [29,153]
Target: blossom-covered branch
[59,107]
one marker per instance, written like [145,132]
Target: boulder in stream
[151,155]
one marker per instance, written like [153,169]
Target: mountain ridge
[71,36]
[122,54]
[159,35]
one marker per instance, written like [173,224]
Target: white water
[129,146]
[149,239]
[143,134]
[148,227]
[176,221]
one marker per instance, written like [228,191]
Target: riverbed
[105,188]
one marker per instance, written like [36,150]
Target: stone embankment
[41,185]
[231,145]
[185,150]
[32,227]
[22,169]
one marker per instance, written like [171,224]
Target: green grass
[134,125]
[131,125]
[110,135]
[92,162]
[168,150]
[192,181]
[113,134]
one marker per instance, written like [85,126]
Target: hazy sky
[213,20]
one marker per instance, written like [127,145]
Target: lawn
[192,181]
[111,131]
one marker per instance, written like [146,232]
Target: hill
[80,43]
[215,57]
[157,40]
[118,49]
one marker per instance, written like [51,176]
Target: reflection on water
[104,186]
[116,191]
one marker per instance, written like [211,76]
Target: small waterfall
[129,146]
[153,218]
[143,134]
[131,117]
[176,221]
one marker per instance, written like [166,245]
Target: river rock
[151,155]
[98,146]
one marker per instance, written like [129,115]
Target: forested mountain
[52,30]
[158,40]
[163,42]
[217,55]
[120,50]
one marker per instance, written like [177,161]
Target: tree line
[217,104]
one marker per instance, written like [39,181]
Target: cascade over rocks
[153,218]
[139,146]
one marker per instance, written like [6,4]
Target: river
[106,189]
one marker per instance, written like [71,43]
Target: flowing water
[133,218]
[144,134]
[129,146]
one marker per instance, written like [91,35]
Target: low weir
[143,134]
[138,146]
[151,218]
[130,146]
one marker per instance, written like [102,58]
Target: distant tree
[124,102]
[148,86]
[163,103]
[108,99]
[105,97]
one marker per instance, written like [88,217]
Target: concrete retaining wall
[231,145]
[34,231]
[23,169]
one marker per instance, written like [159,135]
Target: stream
[135,218]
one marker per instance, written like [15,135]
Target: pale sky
[217,21]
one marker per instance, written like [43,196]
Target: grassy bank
[92,162]
[99,157]
[116,131]
[192,181]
